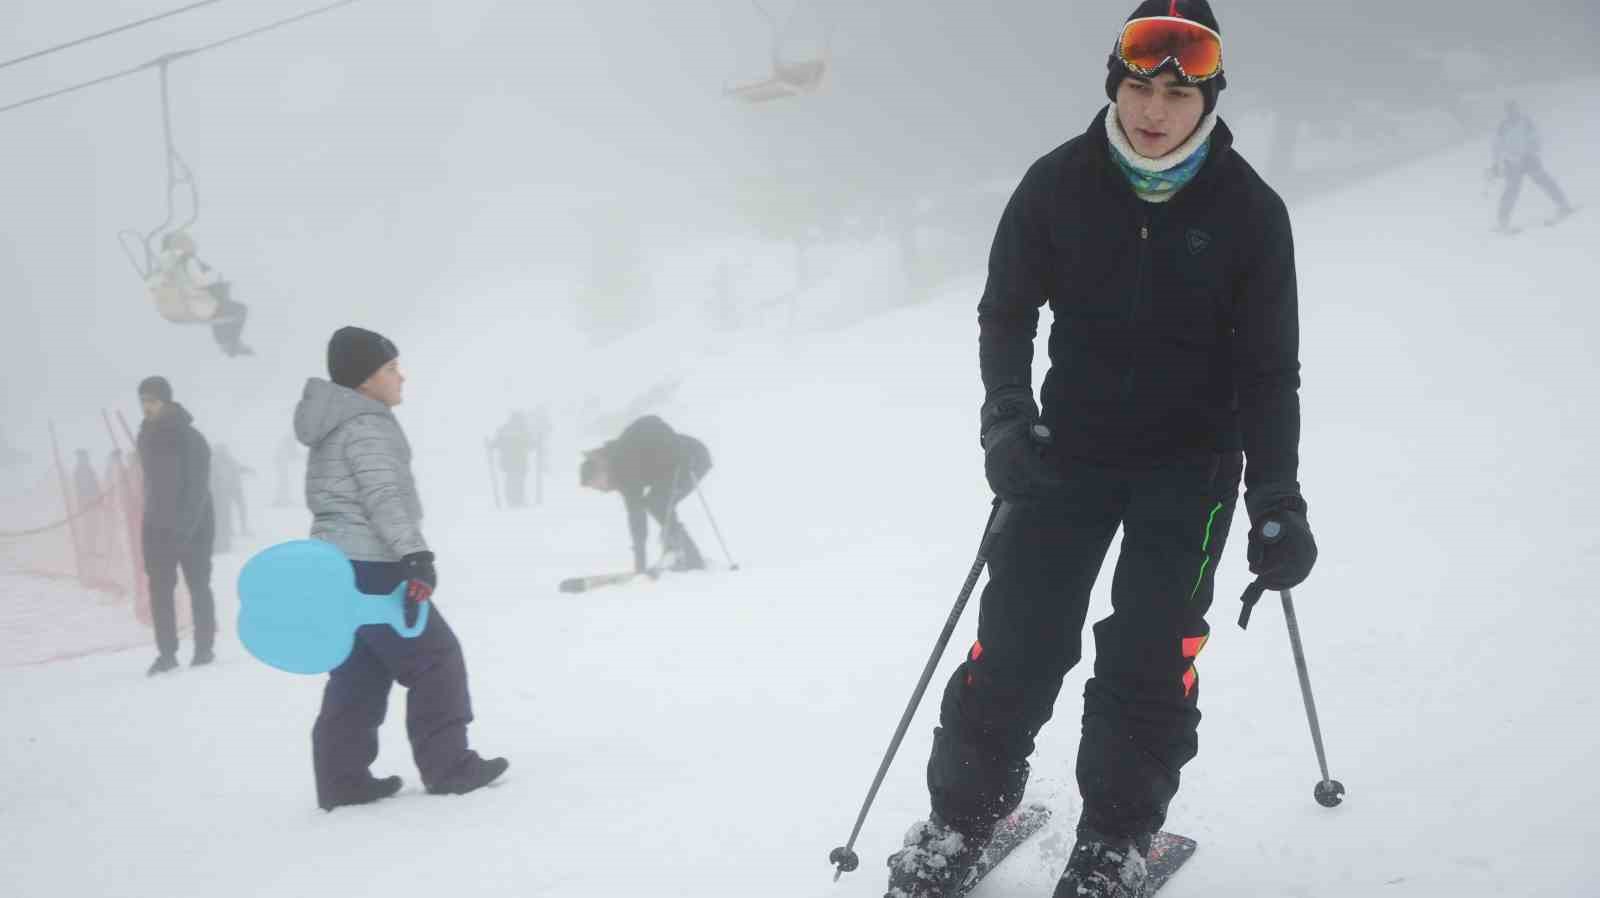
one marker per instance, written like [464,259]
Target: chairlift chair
[177,299]
[789,78]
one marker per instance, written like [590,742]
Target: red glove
[421,580]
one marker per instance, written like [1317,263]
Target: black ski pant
[1532,169]
[662,503]
[344,741]
[161,565]
[1140,710]
[231,316]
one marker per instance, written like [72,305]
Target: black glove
[1282,551]
[1013,443]
[421,580]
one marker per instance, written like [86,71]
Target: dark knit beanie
[155,388]
[355,354]
[1193,10]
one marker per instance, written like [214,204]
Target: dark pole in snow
[844,857]
[1328,792]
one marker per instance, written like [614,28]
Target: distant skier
[1516,155]
[187,289]
[179,523]
[287,456]
[227,492]
[654,468]
[363,499]
[1169,267]
[85,481]
[513,443]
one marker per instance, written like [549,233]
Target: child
[364,500]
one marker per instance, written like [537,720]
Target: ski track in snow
[713,733]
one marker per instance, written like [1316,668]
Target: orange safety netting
[72,578]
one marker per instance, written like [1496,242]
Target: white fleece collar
[1120,143]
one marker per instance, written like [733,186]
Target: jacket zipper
[1136,301]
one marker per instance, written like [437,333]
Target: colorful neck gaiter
[1159,180]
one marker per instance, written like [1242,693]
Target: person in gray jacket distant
[1517,155]
[363,499]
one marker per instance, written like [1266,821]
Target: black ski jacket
[650,457]
[1176,329]
[177,480]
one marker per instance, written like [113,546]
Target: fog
[566,207]
[388,161]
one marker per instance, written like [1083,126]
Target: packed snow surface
[714,733]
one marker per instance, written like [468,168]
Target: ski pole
[1328,792]
[494,482]
[732,565]
[844,857]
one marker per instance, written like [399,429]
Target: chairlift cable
[271,26]
[109,32]
[75,88]
[179,55]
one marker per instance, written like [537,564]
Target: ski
[1167,853]
[1008,835]
[594,581]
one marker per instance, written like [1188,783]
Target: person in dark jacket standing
[363,499]
[654,468]
[1168,266]
[179,524]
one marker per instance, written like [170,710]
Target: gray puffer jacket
[358,480]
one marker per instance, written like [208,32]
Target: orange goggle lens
[1148,44]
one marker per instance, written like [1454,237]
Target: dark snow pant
[344,741]
[161,565]
[663,506]
[1140,708]
[1534,170]
[231,316]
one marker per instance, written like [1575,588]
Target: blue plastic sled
[299,607]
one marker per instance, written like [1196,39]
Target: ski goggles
[1147,45]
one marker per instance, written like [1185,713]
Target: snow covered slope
[713,734]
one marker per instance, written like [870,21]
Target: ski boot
[360,791]
[471,774]
[1105,867]
[936,862]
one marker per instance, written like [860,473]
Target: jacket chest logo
[1198,241]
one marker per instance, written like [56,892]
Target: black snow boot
[364,791]
[470,775]
[936,862]
[202,657]
[161,665]
[1105,867]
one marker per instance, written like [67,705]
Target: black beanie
[355,354]
[155,388]
[1193,10]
